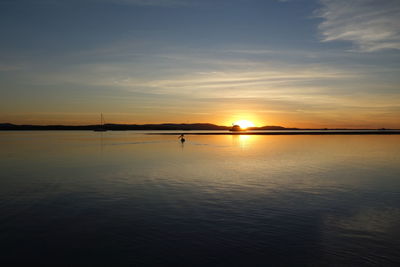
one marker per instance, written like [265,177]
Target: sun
[244,124]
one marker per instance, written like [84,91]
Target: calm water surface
[131,199]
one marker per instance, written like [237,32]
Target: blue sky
[324,63]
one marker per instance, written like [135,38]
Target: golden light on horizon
[244,124]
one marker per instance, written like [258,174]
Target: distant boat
[101,128]
[236,128]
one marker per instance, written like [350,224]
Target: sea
[131,198]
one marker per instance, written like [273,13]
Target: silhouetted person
[182,138]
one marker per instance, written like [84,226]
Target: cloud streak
[369,24]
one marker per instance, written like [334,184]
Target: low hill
[122,127]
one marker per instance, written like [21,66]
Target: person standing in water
[182,138]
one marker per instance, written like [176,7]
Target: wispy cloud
[371,25]
[244,83]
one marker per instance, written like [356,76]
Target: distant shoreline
[189,127]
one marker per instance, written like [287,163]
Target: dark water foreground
[130,199]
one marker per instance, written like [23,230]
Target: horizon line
[188,124]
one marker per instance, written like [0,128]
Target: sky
[293,63]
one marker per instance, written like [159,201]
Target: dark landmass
[186,127]
[122,127]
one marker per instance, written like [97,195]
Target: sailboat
[101,128]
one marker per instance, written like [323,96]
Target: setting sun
[244,124]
